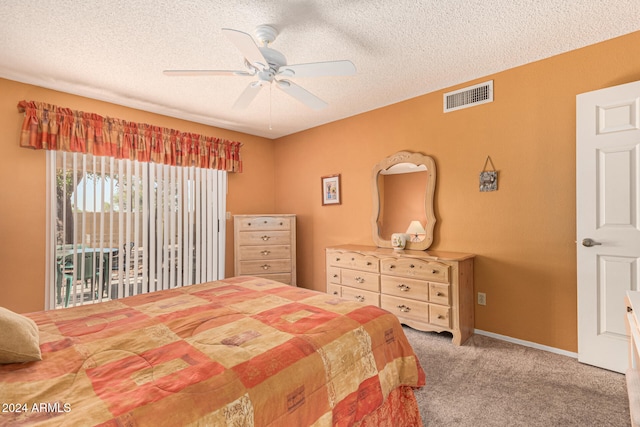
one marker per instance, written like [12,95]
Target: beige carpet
[491,382]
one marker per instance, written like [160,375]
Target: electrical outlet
[482,298]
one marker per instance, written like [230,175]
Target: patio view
[122,228]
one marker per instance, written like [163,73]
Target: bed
[243,351]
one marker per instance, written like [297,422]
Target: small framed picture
[331,190]
[488,181]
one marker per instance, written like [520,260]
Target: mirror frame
[417,159]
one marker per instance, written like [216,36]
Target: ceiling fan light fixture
[266,76]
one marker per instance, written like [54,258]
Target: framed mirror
[403,187]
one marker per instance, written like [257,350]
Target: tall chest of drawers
[429,291]
[265,246]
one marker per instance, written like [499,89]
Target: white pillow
[19,339]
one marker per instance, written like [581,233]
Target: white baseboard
[527,343]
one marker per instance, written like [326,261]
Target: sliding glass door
[119,227]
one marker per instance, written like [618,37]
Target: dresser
[429,291]
[265,246]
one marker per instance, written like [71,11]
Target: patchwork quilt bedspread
[243,351]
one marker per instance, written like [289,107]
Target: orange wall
[524,234]
[23,192]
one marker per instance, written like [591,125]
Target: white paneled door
[608,220]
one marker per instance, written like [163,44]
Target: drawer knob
[335,292]
[434,271]
[359,279]
[412,266]
[337,259]
[265,252]
[335,276]
[266,266]
[368,262]
[360,298]
[404,288]
[439,294]
[265,238]
[440,316]
[403,308]
[248,224]
[391,267]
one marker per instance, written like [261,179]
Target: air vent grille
[468,96]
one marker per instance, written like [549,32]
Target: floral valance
[50,127]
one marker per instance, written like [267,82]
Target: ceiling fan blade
[245,44]
[206,73]
[247,95]
[319,69]
[302,95]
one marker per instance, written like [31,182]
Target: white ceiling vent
[468,96]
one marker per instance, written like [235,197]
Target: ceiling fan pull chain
[270,102]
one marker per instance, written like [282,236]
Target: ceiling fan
[270,66]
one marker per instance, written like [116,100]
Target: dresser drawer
[406,308]
[333,289]
[334,275]
[264,252]
[254,238]
[439,293]
[415,268]
[405,288]
[278,277]
[366,297]
[263,223]
[361,280]
[259,267]
[440,315]
[353,260]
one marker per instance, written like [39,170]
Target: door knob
[588,242]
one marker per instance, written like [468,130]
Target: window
[119,228]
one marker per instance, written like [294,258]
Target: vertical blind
[120,227]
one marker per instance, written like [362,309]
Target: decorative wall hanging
[331,190]
[488,178]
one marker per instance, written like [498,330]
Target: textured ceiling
[116,50]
